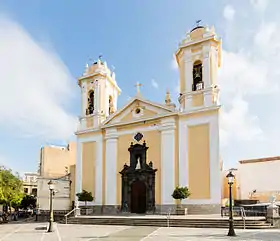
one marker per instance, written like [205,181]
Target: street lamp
[51,188]
[230,178]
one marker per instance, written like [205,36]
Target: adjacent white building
[258,179]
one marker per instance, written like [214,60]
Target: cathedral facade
[132,158]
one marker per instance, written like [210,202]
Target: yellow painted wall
[153,140]
[199,161]
[198,100]
[88,166]
[225,191]
[73,182]
[55,159]
[90,122]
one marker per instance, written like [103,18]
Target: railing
[236,210]
[168,217]
[66,215]
[243,215]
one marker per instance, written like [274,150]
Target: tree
[28,201]
[10,188]
[181,193]
[85,196]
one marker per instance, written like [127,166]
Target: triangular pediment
[138,108]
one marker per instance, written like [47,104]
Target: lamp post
[230,178]
[51,188]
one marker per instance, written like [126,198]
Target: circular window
[137,111]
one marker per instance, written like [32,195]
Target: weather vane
[197,22]
[100,56]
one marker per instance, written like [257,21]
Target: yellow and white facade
[183,143]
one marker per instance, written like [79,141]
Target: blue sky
[44,46]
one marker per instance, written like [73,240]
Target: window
[197,76]
[34,191]
[25,190]
[90,108]
[111,106]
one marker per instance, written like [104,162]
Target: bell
[197,76]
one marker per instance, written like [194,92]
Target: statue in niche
[197,76]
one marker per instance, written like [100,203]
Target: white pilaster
[188,71]
[206,67]
[84,99]
[111,166]
[215,173]
[208,95]
[167,160]
[79,171]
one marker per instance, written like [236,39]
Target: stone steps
[161,222]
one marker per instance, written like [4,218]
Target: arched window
[90,108]
[197,76]
[111,106]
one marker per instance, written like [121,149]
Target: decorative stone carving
[138,185]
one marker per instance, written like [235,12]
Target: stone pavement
[74,232]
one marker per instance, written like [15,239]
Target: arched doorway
[138,197]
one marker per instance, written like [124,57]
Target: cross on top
[197,22]
[138,85]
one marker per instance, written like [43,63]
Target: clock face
[138,136]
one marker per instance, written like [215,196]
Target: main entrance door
[138,197]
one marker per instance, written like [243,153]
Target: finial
[100,56]
[138,85]
[167,97]
[86,69]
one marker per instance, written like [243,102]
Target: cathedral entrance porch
[138,197]
[138,182]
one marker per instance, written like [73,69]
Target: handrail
[168,217]
[67,214]
[243,215]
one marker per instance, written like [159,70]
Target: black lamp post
[51,220]
[230,178]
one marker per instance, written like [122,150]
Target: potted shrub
[85,196]
[179,194]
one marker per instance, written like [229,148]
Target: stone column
[167,160]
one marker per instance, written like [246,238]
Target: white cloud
[237,124]
[174,64]
[35,86]
[229,13]
[259,5]
[154,84]
[250,84]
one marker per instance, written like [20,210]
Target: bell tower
[198,59]
[99,93]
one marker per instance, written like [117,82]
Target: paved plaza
[74,232]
